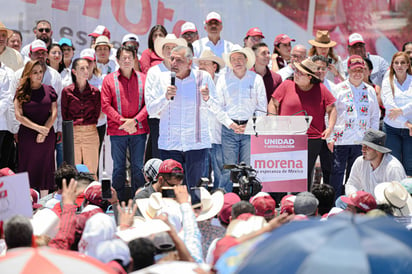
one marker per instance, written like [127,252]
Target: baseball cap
[188,27]
[407,184]
[163,242]
[130,37]
[111,250]
[93,193]
[254,32]
[306,203]
[65,41]
[213,16]
[37,45]
[170,166]
[89,55]
[151,168]
[355,38]
[360,199]
[283,39]
[229,199]
[100,30]
[264,204]
[356,61]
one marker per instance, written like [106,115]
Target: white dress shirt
[357,110]
[183,120]
[222,46]
[363,177]
[6,80]
[153,79]
[240,99]
[402,100]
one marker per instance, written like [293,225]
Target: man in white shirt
[183,107]
[241,94]
[6,138]
[213,27]
[376,165]
[298,54]
[358,111]
[43,31]
[356,46]
[163,48]
[102,47]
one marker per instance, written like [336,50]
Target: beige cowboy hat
[250,56]
[3,27]
[322,40]
[169,39]
[211,204]
[102,41]
[307,66]
[208,55]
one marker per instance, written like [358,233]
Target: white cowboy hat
[210,204]
[250,56]
[394,194]
[169,39]
[153,206]
[208,55]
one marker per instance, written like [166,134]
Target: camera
[330,60]
[245,176]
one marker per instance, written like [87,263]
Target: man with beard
[42,31]
[356,46]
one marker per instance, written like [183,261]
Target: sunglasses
[44,30]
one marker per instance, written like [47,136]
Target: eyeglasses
[189,34]
[46,30]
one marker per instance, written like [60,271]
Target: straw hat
[322,40]
[102,41]
[208,55]
[307,66]
[250,55]
[169,39]
[3,27]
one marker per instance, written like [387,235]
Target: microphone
[306,115]
[172,81]
[265,112]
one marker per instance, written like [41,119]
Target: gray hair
[188,51]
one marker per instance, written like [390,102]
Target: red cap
[355,38]
[361,199]
[94,195]
[356,61]
[254,32]
[264,205]
[222,246]
[170,166]
[100,30]
[283,39]
[229,200]
[287,204]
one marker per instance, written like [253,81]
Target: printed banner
[280,162]
[15,196]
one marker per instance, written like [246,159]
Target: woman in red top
[149,57]
[81,104]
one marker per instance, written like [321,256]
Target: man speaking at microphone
[241,93]
[182,99]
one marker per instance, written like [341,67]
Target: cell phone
[195,197]
[106,189]
[204,182]
[168,192]
[330,60]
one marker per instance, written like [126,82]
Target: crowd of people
[177,113]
